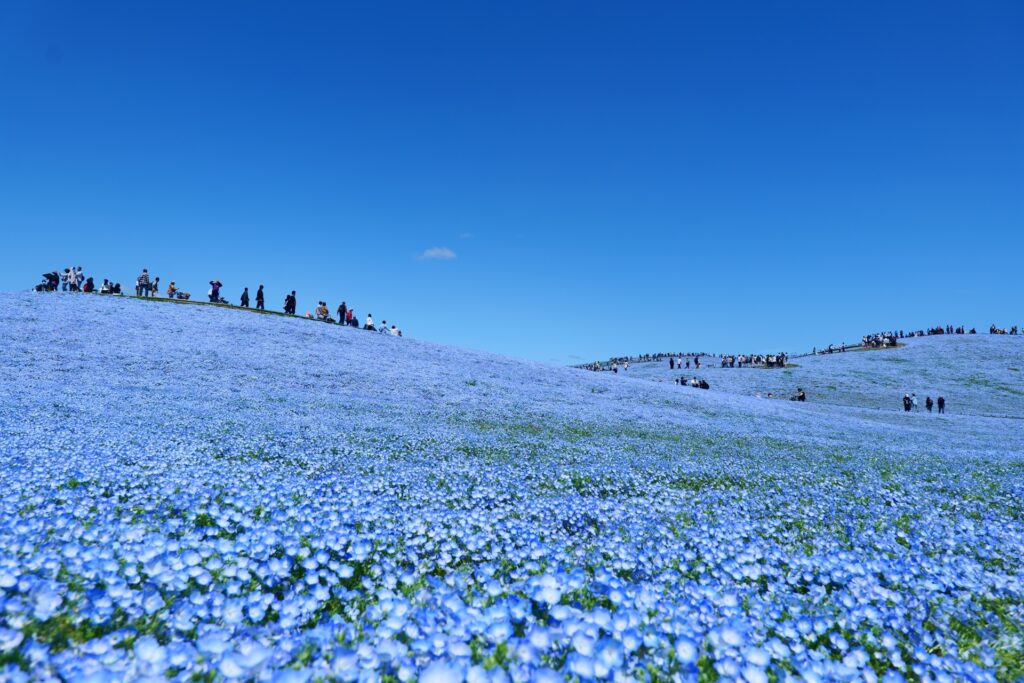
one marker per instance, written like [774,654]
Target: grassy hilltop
[198,493]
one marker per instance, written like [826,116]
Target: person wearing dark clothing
[942,404]
[928,403]
[906,403]
[143,288]
[245,298]
[801,395]
[215,291]
[259,298]
[88,286]
[290,303]
[343,313]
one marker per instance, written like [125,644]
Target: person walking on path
[928,403]
[259,299]
[245,298]
[942,404]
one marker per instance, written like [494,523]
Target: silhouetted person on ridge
[928,402]
[942,404]
[143,283]
[245,298]
[259,299]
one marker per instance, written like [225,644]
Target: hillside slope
[202,492]
[978,375]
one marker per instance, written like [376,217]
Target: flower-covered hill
[202,493]
[978,374]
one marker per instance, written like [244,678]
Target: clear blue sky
[611,178]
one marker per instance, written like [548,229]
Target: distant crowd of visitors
[73,280]
[878,340]
[884,339]
[680,361]
[777,360]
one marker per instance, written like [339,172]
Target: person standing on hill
[913,402]
[906,403]
[928,403]
[942,404]
[290,303]
[245,297]
[144,283]
[259,299]
[343,313]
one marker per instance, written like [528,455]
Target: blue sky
[602,178]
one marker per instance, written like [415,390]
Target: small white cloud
[438,254]
[466,236]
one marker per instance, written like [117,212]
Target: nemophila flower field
[978,374]
[207,494]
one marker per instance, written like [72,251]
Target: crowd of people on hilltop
[146,286]
[622,361]
[681,361]
[878,340]
[71,280]
[911,404]
[883,339]
[775,360]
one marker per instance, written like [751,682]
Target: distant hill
[978,374]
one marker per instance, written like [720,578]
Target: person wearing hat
[215,291]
